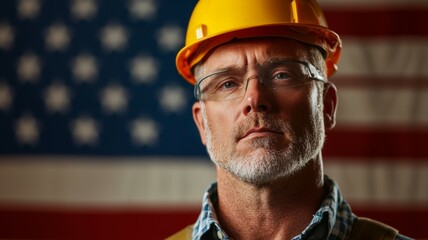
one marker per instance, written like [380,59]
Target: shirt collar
[207,218]
[333,218]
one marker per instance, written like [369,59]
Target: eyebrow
[230,69]
[234,68]
[213,73]
[280,60]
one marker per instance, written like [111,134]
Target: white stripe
[371,3]
[383,106]
[381,181]
[384,57]
[99,182]
[172,182]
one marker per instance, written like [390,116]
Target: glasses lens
[277,74]
[221,86]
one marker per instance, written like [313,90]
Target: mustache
[260,120]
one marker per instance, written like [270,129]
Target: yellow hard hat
[214,22]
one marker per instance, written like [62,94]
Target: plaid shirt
[332,221]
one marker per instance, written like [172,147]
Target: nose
[257,97]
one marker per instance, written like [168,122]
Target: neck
[280,210]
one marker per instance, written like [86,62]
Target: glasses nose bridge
[247,82]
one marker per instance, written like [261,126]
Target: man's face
[267,134]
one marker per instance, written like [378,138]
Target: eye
[281,76]
[228,85]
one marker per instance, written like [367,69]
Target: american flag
[97,139]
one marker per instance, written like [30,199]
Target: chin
[263,166]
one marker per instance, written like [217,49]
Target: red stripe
[24,223]
[151,224]
[416,83]
[379,22]
[360,143]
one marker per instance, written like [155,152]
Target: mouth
[259,132]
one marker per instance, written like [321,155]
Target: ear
[199,121]
[330,105]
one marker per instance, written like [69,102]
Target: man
[260,71]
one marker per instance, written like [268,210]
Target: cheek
[220,122]
[301,108]
[315,99]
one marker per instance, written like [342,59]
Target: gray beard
[265,164]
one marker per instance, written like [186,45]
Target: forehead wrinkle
[232,69]
[230,56]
